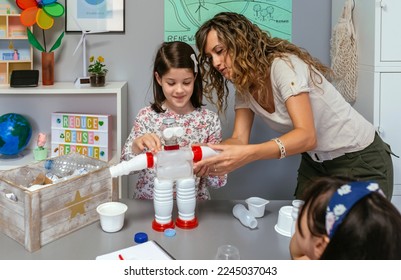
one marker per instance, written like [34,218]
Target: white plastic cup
[284,221]
[257,206]
[112,215]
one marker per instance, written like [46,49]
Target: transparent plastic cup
[227,252]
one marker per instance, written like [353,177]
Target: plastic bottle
[66,165]
[242,214]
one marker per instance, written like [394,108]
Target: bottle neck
[171,147]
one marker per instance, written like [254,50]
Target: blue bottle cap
[140,237]
[48,164]
[169,232]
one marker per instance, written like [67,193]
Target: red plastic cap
[150,160]
[161,227]
[197,151]
[187,224]
[172,147]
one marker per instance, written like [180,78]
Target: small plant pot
[39,154]
[98,80]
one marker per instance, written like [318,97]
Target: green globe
[15,133]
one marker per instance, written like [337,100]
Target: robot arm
[148,160]
[139,162]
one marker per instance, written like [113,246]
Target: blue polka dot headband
[343,200]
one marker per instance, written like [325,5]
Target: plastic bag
[344,54]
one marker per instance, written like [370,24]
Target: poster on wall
[94,15]
[182,18]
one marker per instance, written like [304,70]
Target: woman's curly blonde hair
[252,52]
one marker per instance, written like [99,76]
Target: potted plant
[97,71]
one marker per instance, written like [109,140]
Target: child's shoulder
[146,111]
[206,112]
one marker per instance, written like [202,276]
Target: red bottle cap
[187,224]
[161,227]
[197,151]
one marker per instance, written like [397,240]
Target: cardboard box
[37,217]
[88,134]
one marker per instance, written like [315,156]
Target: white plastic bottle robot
[173,165]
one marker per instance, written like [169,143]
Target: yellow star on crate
[77,205]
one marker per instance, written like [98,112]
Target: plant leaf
[33,41]
[57,43]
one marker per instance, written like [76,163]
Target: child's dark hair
[175,55]
[371,230]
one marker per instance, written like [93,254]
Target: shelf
[26,158]
[38,103]
[13,37]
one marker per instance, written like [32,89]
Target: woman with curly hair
[290,90]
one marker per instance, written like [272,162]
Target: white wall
[129,57]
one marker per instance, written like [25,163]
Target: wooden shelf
[37,104]
[13,36]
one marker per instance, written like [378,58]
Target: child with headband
[178,94]
[346,220]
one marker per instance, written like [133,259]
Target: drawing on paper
[183,17]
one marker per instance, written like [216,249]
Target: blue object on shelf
[9,56]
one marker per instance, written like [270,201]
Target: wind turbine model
[84,79]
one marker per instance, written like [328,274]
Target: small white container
[256,206]
[284,221]
[112,215]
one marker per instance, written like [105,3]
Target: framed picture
[95,15]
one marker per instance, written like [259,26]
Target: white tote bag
[344,54]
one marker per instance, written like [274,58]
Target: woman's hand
[202,171]
[148,141]
[230,157]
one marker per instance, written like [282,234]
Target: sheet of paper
[149,250]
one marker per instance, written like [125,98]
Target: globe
[15,133]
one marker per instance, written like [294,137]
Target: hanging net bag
[344,54]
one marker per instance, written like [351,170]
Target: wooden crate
[37,217]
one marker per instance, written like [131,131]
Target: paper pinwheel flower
[42,13]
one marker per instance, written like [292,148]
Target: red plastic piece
[197,151]
[150,160]
[187,224]
[161,227]
[172,147]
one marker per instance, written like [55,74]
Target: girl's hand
[149,141]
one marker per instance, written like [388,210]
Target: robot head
[171,132]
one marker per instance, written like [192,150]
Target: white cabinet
[377,24]
[37,104]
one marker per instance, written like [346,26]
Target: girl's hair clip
[193,57]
